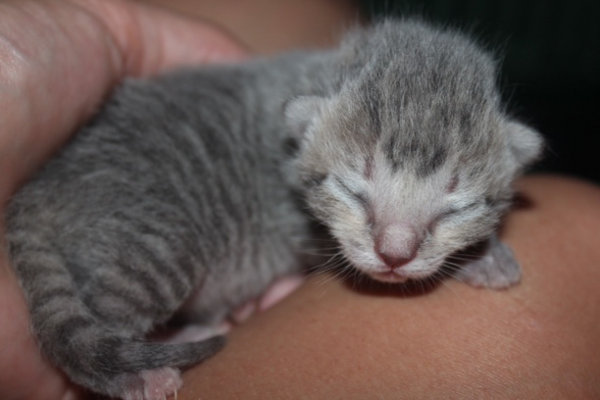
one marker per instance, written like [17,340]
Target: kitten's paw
[155,384]
[193,333]
[243,312]
[279,290]
[495,269]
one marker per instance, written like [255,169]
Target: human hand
[58,60]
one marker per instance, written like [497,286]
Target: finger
[152,39]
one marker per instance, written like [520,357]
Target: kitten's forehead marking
[368,167]
[401,195]
[420,106]
[424,157]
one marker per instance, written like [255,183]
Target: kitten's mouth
[388,276]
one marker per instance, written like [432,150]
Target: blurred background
[550,77]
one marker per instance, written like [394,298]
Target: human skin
[270,26]
[326,340]
[538,339]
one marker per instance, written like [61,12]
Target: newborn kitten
[414,157]
[178,199]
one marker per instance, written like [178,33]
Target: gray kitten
[179,198]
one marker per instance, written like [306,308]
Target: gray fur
[182,185]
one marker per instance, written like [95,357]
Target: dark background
[550,66]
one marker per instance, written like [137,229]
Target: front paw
[496,268]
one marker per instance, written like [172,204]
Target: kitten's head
[414,158]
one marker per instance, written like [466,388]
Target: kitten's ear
[301,111]
[526,143]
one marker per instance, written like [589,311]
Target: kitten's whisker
[330,268]
[323,250]
[315,253]
[452,290]
[342,270]
[463,258]
[321,240]
[328,276]
[452,266]
[327,262]
[323,244]
[330,264]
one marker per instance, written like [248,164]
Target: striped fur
[175,186]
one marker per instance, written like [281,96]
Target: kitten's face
[394,225]
[398,204]
[413,159]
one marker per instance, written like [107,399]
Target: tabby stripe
[231,209]
[211,206]
[67,328]
[184,190]
[166,265]
[178,285]
[216,178]
[36,271]
[136,304]
[147,282]
[156,228]
[45,299]
[17,247]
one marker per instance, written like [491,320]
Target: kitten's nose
[397,244]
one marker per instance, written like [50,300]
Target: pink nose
[397,244]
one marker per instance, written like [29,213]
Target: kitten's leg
[496,268]
[194,333]
[277,291]
[243,312]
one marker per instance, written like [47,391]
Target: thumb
[152,39]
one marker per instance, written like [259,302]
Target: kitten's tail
[80,344]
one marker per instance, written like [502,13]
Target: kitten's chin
[388,277]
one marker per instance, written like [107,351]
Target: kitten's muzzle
[396,244]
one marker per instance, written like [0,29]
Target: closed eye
[355,196]
[452,212]
[459,210]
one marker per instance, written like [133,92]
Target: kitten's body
[182,184]
[176,186]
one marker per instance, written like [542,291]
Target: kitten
[414,157]
[179,197]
